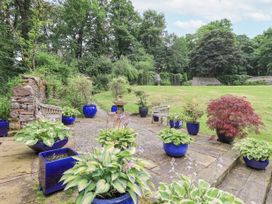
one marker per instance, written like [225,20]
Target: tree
[215,55]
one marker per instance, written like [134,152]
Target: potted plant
[185,191]
[108,175]
[172,120]
[52,165]
[192,112]
[175,121]
[121,138]
[69,115]
[255,152]
[175,142]
[143,109]
[4,113]
[232,116]
[43,135]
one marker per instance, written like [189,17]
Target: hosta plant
[70,112]
[108,173]
[121,138]
[192,111]
[42,130]
[185,192]
[256,149]
[170,135]
[232,116]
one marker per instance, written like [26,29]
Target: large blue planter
[113,108]
[4,127]
[143,111]
[252,163]
[124,199]
[41,147]
[66,120]
[171,123]
[192,128]
[178,124]
[175,150]
[50,172]
[89,111]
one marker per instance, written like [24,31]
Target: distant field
[259,96]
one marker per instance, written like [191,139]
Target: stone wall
[25,100]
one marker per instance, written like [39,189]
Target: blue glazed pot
[155,118]
[50,172]
[143,111]
[175,150]
[41,147]
[192,128]
[113,108]
[89,111]
[178,124]
[171,123]
[4,127]
[66,120]
[124,199]
[252,163]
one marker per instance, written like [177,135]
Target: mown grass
[177,96]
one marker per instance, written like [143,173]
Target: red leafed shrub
[232,116]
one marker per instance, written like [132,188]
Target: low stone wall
[24,101]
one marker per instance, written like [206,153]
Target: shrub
[42,130]
[4,108]
[118,86]
[192,111]
[252,148]
[233,79]
[146,77]
[176,117]
[122,138]
[108,173]
[165,79]
[232,116]
[170,135]
[101,82]
[79,91]
[142,96]
[70,112]
[184,191]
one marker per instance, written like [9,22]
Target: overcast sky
[249,17]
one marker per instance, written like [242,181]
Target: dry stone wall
[25,100]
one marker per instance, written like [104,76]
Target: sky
[250,17]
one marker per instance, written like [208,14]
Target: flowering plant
[192,111]
[232,116]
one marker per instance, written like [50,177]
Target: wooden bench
[162,112]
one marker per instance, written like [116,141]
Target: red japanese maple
[232,116]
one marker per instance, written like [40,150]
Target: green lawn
[259,96]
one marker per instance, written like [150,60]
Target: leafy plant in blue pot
[4,113]
[142,103]
[69,115]
[175,142]
[43,135]
[192,113]
[255,152]
[110,176]
[52,165]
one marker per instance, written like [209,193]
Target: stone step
[269,195]
[248,184]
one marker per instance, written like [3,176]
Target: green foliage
[165,79]
[42,130]
[108,173]
[184,191]
[171,135]
[176,117]
[233,79]
[123,67]
[146,77]
[118,86]
[142,98]
[192,111]
[78,91]
[70,112]
[252,148]
[121,138]
[4,108]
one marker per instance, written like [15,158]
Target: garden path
[206,159]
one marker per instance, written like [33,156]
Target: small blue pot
[178,124]
[50,172]
[113,108]
[41,147]
[89,111]
[175,150]
[252,163]
[66,120]
[124,199]
[192,128]
[171,123]
[156,118]
[4,127]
